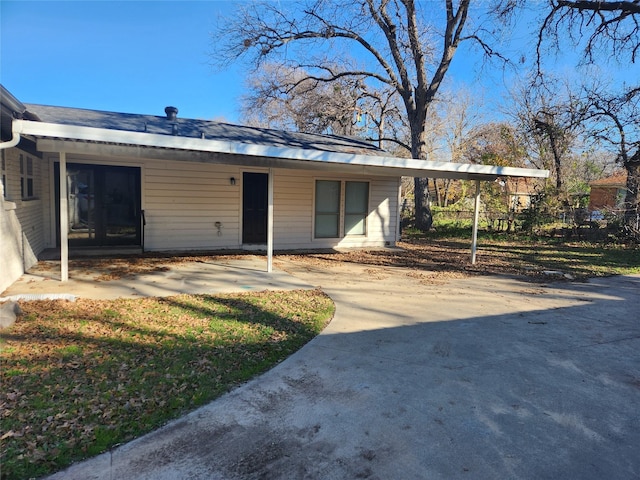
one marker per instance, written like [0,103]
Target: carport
[64,139]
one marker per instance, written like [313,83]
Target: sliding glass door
[103,203]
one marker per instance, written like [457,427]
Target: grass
[445,254]
[501,252]
[78,378]
[579,259]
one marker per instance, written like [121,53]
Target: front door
[103,203]
[254,208]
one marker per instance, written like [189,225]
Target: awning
[65,138]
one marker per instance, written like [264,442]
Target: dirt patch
[431,261]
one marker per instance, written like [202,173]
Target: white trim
[393,165]
[64,220]
[270,221]
[476,218]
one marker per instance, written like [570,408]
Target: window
[331,213]
[26,178]
[327,209]
[356,208]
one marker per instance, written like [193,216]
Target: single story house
[519,191]
[608,193]
[74,178]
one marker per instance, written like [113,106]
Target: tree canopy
[402,47]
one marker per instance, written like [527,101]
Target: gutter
[16,108]
[15,140]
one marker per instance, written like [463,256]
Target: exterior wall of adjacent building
[22,203]
[195,206]
[608,193]
[606,197]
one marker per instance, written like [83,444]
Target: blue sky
[140,56]
[134,57]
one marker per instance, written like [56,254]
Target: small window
[26,178]
[327,209]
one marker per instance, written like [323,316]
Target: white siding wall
[184,200]
[294,211]
[21,221]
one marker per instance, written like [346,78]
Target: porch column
[270,222]
[476,217]
[64,220]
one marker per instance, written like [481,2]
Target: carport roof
[93,132]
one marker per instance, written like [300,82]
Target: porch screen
[327,209]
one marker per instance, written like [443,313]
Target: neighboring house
[166,183]
[519,192]
[608,193]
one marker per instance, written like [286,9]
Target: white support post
[64,220]
[270,222]
[476,217]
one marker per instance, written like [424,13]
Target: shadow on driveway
[481,377]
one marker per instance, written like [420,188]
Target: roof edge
[7,98]
[93,134]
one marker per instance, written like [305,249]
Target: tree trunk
[632,197]
[424,218]
[557,161]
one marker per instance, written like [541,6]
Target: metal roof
[94,132]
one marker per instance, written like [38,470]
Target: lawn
[80,377]
[438,256]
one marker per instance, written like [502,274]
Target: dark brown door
[104,205]
[254,207]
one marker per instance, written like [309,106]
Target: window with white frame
[335,218]
[327,208]
[26,178]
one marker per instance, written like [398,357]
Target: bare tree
[609,26]
[550,115]
[405,45]
[495,143]
[289,99]
[614,119]
[455,114]
[610,29]
[285,98]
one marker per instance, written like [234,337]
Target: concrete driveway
[479,378]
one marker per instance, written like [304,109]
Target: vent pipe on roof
[172,113]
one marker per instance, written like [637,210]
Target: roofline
[7,99]
[402,166]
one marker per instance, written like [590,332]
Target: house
[608,193]
[519,192]
[76,178]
